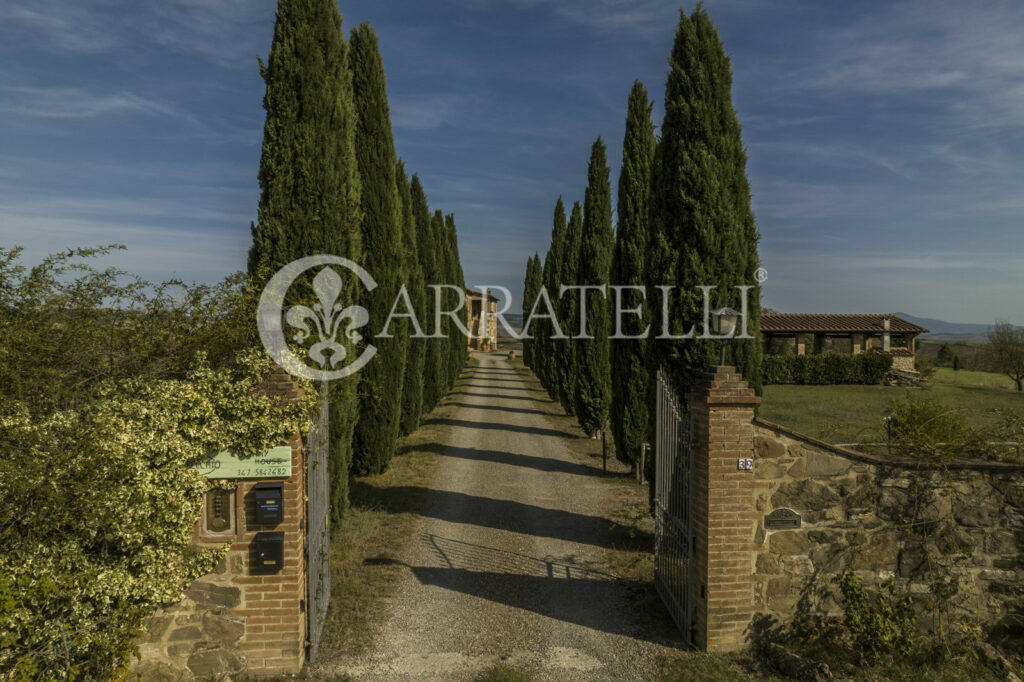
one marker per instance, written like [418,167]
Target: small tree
[1006,349]
[946,354]
[531,288]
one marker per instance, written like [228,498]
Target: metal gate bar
[673,535]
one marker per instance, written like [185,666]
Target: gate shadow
[554,587]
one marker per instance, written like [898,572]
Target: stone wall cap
[898,462]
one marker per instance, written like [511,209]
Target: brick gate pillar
[724,514]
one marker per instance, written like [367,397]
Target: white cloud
[72,103]
[229,33]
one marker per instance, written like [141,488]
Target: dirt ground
[517,558]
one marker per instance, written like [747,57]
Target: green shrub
[922,427]
[832,368]
[884,625]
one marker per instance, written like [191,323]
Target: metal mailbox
[269,498]
[268,551]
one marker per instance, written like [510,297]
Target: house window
[781,345]
[837,344]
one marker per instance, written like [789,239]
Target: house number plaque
[782,518]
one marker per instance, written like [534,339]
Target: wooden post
[643,463]
[604,454]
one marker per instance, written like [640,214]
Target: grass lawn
[852,414]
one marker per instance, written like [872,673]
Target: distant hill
[954,331]
[515,319]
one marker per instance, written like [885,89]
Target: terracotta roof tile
[828,322]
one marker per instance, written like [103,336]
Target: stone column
[724,514]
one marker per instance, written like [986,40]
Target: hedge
[868,368]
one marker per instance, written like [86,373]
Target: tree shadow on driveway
[499,397]
[499,408]
[510,458]
[516,517]
[495,426]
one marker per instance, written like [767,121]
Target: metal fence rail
[673,536]
[318,537]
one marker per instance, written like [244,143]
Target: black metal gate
[673,506]
[318,536]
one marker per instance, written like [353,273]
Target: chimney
[885,334]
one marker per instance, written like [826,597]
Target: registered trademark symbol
[761,274]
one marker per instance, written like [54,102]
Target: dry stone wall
[961,526]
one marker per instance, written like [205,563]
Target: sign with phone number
[274,463]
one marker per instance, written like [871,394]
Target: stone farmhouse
[806,334]
[482,338]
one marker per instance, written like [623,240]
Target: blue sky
[885,139]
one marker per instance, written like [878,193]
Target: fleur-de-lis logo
[327,316]
[325,319]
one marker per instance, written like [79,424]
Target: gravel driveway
[511,559]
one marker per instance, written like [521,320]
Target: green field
[853,414]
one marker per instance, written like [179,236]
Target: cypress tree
[309,181]
[435,366]
[412,388]
[458,344]
[565,369]
[597,241]
[547,347]
[629,409]
[381,381]
[428,269]
[531,287]
[703,230]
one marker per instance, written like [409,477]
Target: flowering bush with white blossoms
[97,503]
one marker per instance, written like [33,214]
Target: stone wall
[904,362]
[888,519]
[238,620]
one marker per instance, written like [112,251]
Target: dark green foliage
[381,381]
[597,241]
[412,389]
[428,266]
[435,367]
[458,345]
[946,354]
[703,230]
[548,349]
[531,287]
[831,368]
[956,363]
[629,372]
[309,179]
[564,369]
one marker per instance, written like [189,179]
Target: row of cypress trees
[331,183]
[684,220]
